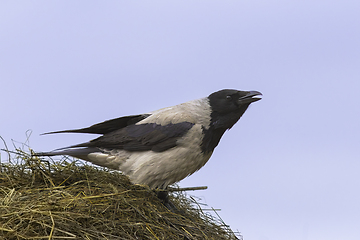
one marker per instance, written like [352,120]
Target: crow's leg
[163,195]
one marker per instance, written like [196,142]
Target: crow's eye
[228,97]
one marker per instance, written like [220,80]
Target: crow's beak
[250,97]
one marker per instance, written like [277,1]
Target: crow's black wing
[107,126]
[142,137]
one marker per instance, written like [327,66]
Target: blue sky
[289,169]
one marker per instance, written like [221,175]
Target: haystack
[44,198]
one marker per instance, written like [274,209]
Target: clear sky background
[289,169]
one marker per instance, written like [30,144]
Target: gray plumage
[164,146]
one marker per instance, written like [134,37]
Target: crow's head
[229,105]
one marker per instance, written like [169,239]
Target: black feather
[107,126]
[142,137]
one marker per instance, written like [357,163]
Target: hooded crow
[164,146]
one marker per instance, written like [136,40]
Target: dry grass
[67,199]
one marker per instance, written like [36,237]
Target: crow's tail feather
[68,151]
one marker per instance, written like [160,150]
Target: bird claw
[163,195]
